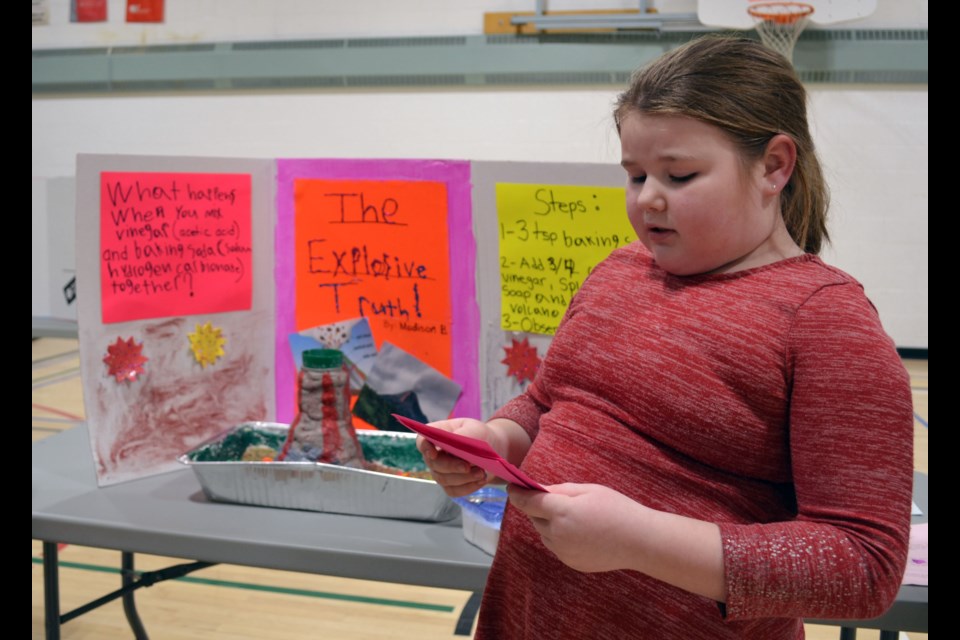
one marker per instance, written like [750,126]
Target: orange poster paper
[377,250]
[174,244]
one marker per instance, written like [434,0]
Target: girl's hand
[588,527]
[457,476]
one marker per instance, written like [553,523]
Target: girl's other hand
[590,527]
[587,526]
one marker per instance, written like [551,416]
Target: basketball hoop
[780,23]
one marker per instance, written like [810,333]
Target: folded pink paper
[472,450]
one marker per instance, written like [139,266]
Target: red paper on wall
[88,10]
[144,10]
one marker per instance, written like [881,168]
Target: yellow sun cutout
[207,344]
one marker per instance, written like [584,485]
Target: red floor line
[58,412]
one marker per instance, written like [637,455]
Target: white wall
[872,139]
[873,143]
[236,20]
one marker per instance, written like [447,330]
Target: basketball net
[779,23]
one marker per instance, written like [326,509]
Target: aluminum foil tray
[314,486]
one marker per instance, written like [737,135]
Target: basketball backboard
[732,14]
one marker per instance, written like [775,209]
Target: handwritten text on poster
[174,244]
[377,250]
[551,237]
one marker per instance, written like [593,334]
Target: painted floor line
[54,378]
[920,420]
[48,429]
[49,420]
[58,412]
[42,362]
[271,589]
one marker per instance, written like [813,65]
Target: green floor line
[259,587]
[51,429]
[49,420]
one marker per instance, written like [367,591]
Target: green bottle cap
[322,358]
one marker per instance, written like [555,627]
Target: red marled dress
[769,401]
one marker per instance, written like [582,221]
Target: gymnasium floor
[228,601]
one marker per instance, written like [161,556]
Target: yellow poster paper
[551,237]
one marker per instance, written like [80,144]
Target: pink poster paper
[174,244]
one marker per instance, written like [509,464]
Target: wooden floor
[229,601]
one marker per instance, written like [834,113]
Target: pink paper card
[472,450]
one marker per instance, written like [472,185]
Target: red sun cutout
[124,360]
[522,360]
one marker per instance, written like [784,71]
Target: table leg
[51,591]
[848,633]
[129,604]
[465,623]
[889,635]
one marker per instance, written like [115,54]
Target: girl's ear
[779,159]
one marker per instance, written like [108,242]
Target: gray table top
[169,515]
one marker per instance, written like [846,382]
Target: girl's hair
[751,93]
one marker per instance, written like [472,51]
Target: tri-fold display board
[200,281]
